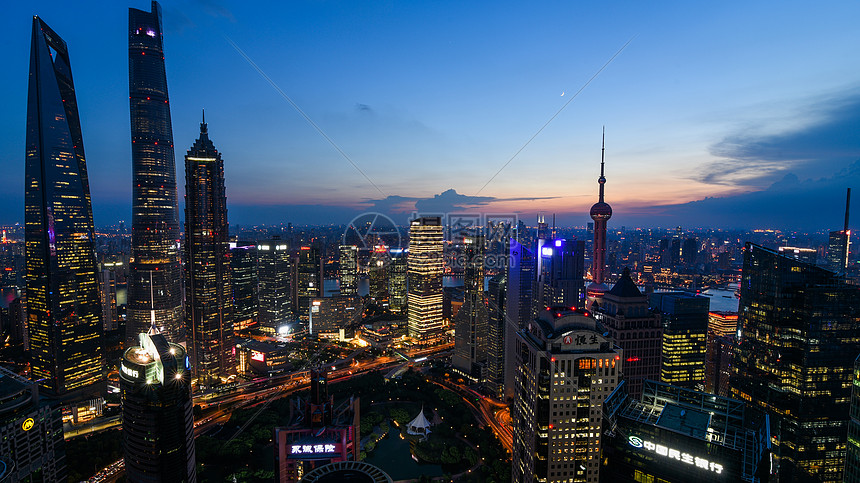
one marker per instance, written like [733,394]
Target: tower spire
[203,124]
[602,180]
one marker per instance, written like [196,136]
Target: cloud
[826,143]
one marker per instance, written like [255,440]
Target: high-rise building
[565,369]
[348,270]
[425,267]
[852,456]
[64,316]
[155,279]
[497,327]
[805,255]
[690,251]
[397,294]
[636,329]
[677,434]
[470,324]
[208,285]
[243,261]
[685,335]
[31,433]
[797,341]
[520,274]
[601,212]
[308,280]
[560,278]
[275,283]
[722,330]
[107,294]
[837,250]
[157,421]
[335,317]
[378,271]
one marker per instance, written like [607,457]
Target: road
[488,411]
[245,396]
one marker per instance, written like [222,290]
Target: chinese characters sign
[674,454]
[309,449]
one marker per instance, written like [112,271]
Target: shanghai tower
[63,308]
[155,290]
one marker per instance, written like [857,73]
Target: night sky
[724,114]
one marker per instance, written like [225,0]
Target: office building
[274,284]
[64,316]
[31,433]
[470,324]
[335,317]
[519,307]
[348,280]
[600,212]
[378,272]
[308,280]
[256,358]
[246,305]
[318,434]
[837,250]
[677,434]
[425,265]
[208,273]
[636,329]
[565,370]
[797,341]
[560,278]
[107,294]
[157,422]
[685,335]
[805,255]
[722,322]
[155,278]
[852,456]
[497,330]
[397,290]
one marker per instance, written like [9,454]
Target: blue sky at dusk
[736,114]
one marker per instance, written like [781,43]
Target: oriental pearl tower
[601,212]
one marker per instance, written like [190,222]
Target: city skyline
[705,102]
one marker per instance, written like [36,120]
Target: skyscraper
[31,433]
[425,268]
[155,281]
[565,369]
[64,316]
[560,279]
[520,274]
[852,456]
[397,280]
[637,330]
[378,268]
[348,270]
[308,280]
[685,335]
[797,342]
[274,289]
[243,261]
[601,212]
[470,324]
[208,286]
[497,330]
[157,422]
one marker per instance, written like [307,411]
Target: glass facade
[397,293]
[797,339]
[470,323]
[243,261]
[685,336]
[64,316]
[852,458]
[155,281]
[308,280]
[425,265]
[348,270]
[274,288]
[208,274]
[157,421]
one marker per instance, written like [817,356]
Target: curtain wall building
[425,265]
[208,286]
[155,281]
[64,315]
[797,341]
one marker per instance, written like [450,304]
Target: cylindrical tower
[601,212]
[157,421]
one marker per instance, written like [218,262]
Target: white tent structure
[419,426]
